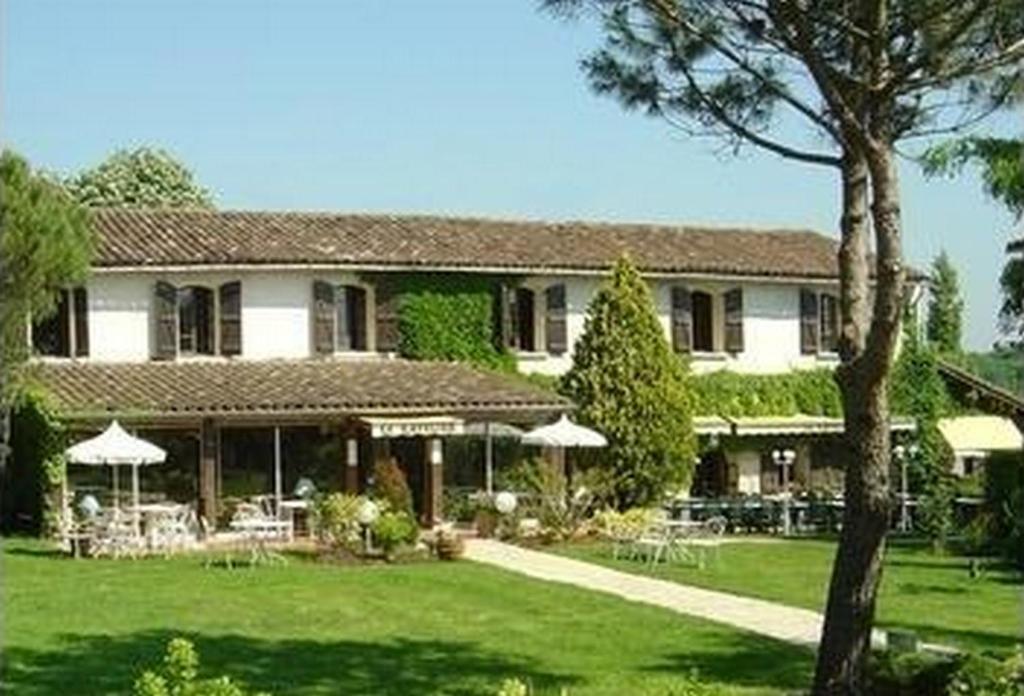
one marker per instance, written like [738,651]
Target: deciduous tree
[630,386]
[139,178]
[859,76]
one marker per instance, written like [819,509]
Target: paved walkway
[789,624]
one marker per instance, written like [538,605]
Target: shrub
[984,676]
[335,520]
[391,485]
[929,674]
[448,545]
[392,530]
[178,675]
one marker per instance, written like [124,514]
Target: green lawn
[932,595]
[87,627]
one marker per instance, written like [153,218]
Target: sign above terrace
[427,426]
[174,239]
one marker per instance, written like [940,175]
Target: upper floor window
[198,320]
[520,315]
[819,322]
[65,333]
[695,322]
[339,318]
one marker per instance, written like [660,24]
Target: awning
[970,435]
[427,426]
[799,424]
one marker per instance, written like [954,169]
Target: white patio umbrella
[489,431]
[114,447]
[563,434]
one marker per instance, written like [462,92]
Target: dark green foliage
[1003,513]
[946,308]
[46,243]
[1012,283]
[139,178]
[725,393]
[32,480]
[910,674]
[630,386]
[449,317]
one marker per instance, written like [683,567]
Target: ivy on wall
[35,470]
[450,317]
[727,393]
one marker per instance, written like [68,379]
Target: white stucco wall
[276,317]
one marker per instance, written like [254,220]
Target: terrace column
[352,466]
[209,455]
[433,482]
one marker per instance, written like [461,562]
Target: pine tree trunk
[864,380]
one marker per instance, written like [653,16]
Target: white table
[256,532]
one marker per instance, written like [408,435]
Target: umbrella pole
[135,499]
[489,460]
[278,487]
[117,491]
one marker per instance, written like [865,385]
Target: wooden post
[352,465]
[209,455]
[278,477]
[433,482]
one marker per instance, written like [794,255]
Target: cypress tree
[945,311]
[629,385]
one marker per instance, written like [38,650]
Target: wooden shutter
[808,322]
[555,329]
[829,323]
[682,319]
[506,324]
[165,311]
[231,318]
[355,298]
[386,309]
[323,318]
[81,302]
[734,321]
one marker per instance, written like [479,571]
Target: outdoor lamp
[505,502]
[89,506]
[368,513]
[304,488]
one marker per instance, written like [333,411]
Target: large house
[263,347]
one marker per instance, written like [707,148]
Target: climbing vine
[450,317]
[726,393]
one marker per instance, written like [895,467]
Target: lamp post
[902,453]
[784,458]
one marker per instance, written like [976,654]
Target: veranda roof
[229,388]
[799,424]
[981,434]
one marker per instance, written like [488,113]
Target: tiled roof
[285,387]
[176,238]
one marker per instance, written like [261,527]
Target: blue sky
[461,107]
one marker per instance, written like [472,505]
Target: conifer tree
[945,311]
[630,386]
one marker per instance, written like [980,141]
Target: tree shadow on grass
[96,664]
[747,660]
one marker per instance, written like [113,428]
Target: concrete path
[789,624]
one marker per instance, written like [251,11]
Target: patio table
[292,506]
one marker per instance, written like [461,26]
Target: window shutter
[808,322]
[387,329]
[682,319]
[355,298]
[165,306]
[734,321]
[829,323]
[555,330]
[323,318]
[81,302]
[231,318]
[507,317]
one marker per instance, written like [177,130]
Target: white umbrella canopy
[564,433]
[114,447]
